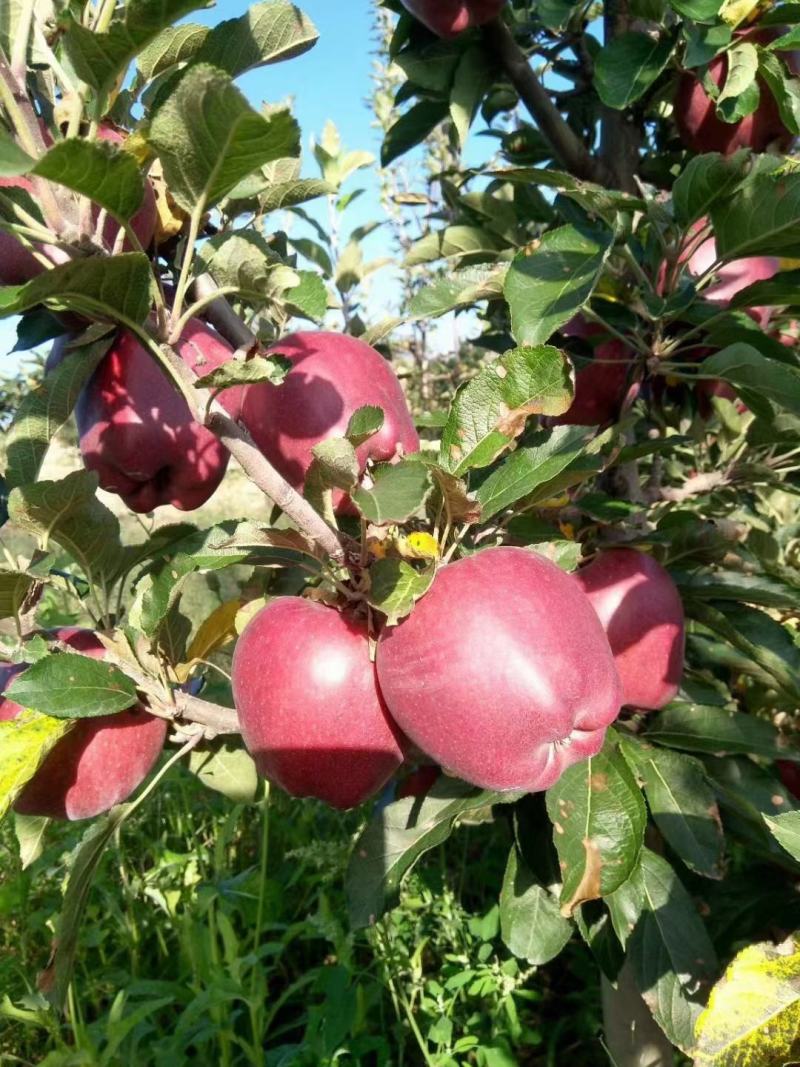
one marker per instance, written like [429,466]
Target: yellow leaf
[568,530]
[735,11]
[246,613]
[24,744]
[554,502]
[418,546]
[217,630]
[170,218]
[753,1013]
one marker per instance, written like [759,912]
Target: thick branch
[620,138]
[567,147]
[222,316]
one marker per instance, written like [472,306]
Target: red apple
[502,673]
[332,376]
[702,131]
[309,707]
[136,430]
[732,277]
[641,610]
[448,18]
[790,775]
[601,385]
[99,763]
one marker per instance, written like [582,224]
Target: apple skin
[732,277]
[790,775]
[502,673]
[309,707]
[600,386]
[695,115]
[99,763]
[332,376]
[136,430]
[449,18]
[641,610]
[18,265]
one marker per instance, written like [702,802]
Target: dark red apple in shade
[695,112]
[502,673]
[790,775]
[136,430]
[448,18]
[308,702]
[99,763]
[332,376]
[600,385]
[641,610]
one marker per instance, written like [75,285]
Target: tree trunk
[632,1036]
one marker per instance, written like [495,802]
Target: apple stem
[567,147]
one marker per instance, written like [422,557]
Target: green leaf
[698,10]
[457,289]
[704,728]
[395,586]
[209,138]
[399,491]
[783,87]
[742,68]
[703,181]
[397,835]
[244,260]
[625,905]
[309,298]
[473,78]
[14,588]
[599,817]
[762,218]
[100,58]
[490,411]
[786,831]
[267,33]
[627,67]
[101,171]
[364,423]
[174,45]
[29,831]
[13,161]
[228,769]
[670,952]
[68,686]
[744,366]
[272,369]
[549,453]
[753,1013]
[43,411]
[276,196]
[682,803]
[106,287]
[159,591]
[546,287]
[462,244]
[68,512]
[531,925]
[412,128]
[25,742]
[718,584]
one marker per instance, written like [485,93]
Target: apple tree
[561,598]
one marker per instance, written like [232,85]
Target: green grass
[217,934]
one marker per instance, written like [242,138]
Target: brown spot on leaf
[511,422]
[589,886]
[559,829]
[598,782]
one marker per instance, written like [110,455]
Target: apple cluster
[508,671]
[99,763]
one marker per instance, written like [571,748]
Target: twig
[221,315]
[699,484]
[567,147]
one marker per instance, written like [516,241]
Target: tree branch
[222,316]
[567,147]
[619,137]
[255,465]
